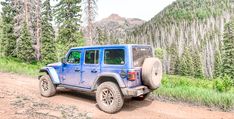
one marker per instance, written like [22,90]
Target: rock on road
[20,98]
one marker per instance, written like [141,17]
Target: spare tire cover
[152,73]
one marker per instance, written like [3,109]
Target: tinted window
[114,56]
[139,55]
[92,57]
[74,57]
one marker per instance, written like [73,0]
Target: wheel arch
[51,72]
[112,77]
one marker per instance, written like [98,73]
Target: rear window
[114,57]
[140,53]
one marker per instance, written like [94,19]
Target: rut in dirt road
[20,98]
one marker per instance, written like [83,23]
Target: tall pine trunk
[90,13]
[38,29]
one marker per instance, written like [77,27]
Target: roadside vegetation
[14,65]
[218,93]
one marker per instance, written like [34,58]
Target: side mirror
[63,60]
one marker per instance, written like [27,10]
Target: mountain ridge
[117,18]
[114,28]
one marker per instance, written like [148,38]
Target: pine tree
[18,19]
[67,16]
[1,46]
[228,50]
[174,59]
[198,69]
[186,66]
[28,11]
[8,38]
[25,50]
[1,34]
[217,65]
[48,47]
[177,64]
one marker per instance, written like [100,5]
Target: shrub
[223,85]
[159,53]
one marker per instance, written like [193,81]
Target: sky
[143,9]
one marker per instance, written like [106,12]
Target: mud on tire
[47,88]
[152,73]
[109,97]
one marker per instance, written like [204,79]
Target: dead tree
[90,14]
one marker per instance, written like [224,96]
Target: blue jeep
[113,72]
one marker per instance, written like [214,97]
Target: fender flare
[52,73]
[115,76]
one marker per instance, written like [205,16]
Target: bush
[223,85]
[159,53]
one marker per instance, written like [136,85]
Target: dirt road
[20,98]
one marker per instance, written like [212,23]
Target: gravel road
[20,99]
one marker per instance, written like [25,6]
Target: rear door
[90,68]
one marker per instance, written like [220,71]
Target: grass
[14,65]
[195,91]
[176,88]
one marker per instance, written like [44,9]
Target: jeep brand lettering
[113,72]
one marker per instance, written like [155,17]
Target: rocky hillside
[115,27]
[196,25]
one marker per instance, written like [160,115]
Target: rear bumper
[135,92]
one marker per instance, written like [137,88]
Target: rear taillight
[132,75]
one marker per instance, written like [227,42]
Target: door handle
[94,71]
[77,70]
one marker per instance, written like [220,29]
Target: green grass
[195,91]
[16,66]
[176,88]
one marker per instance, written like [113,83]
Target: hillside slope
[196,25]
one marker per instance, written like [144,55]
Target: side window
[74,57]
[92,57]
[114,57]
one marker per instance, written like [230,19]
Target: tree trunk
[26,11]
[38,29]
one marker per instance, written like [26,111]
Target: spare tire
[152,73]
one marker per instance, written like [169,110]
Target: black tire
[141,98]
[152,73]
[114,98]
[47,88]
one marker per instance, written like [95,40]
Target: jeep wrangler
[113,72]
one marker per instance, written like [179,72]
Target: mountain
[115,27]
[115,19]
[196,25]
